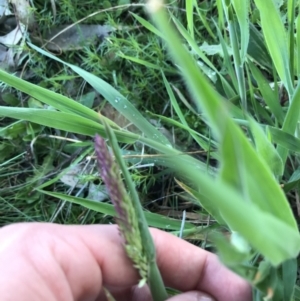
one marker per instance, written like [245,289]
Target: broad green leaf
[153,219]
[269,228]
[276,39]
[247,218]
[259,184]
[116,99]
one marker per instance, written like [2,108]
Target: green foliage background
[212,92]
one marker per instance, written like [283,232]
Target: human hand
[49,262]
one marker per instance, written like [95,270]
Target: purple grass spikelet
[126,215]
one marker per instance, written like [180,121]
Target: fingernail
[192,296]
[203,297]
[206,298]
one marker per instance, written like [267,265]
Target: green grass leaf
[269,96]
[241,10]
[291,34]
[276,40]
[153,219]
[63,121]
[147,25]
[201,142]
[204,202]
[285,140]
[265,148]
[48,97]
[253,170]
[247,218]
[257,49]
[290,121]
[116,99]
[289,277]
[189,7]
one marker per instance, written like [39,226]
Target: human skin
[50,262]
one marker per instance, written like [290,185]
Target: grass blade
[291,35]
[153,219]
[290,121]
[285,140]
[64,121]
[269,197]
[241,10]
[289,277]
[189,7]
[116,99]
[269,96]
[266,149]
[276,39]
[51,98]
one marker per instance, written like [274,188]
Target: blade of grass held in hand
[133,226]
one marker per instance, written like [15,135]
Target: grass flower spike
[132,223]
[126,215]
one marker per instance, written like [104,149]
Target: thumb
[192,296]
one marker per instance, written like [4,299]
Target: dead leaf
[8,53]
[12,38]
[24,12]
[13,28]
[4,9]
[73,177]
[68,37]
[97,193]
